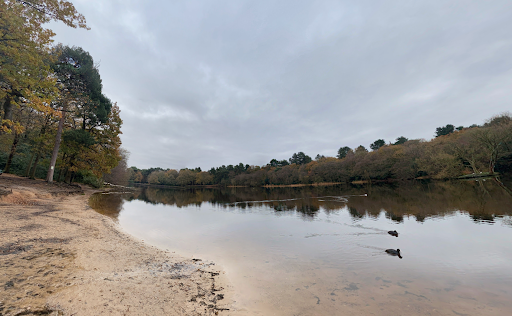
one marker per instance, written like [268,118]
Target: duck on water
[394,252]
[393,233]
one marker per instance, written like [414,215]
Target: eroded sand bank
[59,257]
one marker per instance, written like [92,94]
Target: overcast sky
[207,83]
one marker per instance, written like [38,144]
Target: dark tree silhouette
[300,158]
[440,131]
[343,152]
[377,144]
[400,140]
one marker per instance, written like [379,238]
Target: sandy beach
[59,257]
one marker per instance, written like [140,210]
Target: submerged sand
[59,257]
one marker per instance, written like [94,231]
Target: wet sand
[59,257]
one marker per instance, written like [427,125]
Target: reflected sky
[286,250]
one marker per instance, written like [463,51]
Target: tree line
[452,153]
[56,123]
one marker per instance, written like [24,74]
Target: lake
[321,250]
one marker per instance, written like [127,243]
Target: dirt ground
[59,257]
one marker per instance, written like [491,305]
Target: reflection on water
[110,205]
[482,200]
[321,250]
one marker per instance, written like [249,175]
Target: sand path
[59,257]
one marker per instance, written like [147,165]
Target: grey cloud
[212,83]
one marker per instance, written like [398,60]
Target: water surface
[320,251]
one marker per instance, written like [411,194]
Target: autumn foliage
[472,150]
[42,84]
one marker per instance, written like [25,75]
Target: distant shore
[319,184]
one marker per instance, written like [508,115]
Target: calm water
[320,251]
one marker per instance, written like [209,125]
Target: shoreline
[60,257]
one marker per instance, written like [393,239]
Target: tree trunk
[63,174]
[61,168]
[494,158]
[503,186]
[39,150]
[68,177]
[7,108]
[7,111]
[27,170]
[51,169]
[69,173]
[34,167]
[13,150]
[59,174]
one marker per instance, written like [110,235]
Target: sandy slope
[58,257]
